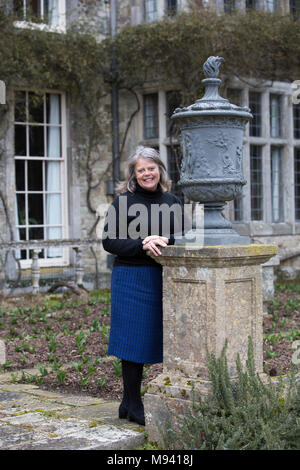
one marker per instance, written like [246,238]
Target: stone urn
[211,135]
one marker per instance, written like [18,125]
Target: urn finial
[211,66]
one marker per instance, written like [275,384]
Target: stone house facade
[45,186]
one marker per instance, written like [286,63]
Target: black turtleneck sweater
[128,250]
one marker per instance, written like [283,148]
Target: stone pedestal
[210,295]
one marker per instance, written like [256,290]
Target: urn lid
[212,103]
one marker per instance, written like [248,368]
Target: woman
[136,335]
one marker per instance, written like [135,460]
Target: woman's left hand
[152,242]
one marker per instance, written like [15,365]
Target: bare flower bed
[65,338]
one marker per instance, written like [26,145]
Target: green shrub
[241,414]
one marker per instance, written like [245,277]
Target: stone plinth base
[210,295]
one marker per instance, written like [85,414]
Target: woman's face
[147,174]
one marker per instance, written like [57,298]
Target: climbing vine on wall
[257,44]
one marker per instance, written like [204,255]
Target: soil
[54,331]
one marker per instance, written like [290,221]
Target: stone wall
[80,219]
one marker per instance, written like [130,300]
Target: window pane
[36,233]
[20,140]
[277,184]
[35,175]
[171,7]
[229,6]
[53,209]
[296,115]
[36,141]
[256,182]
[250,4]
[255,106]
[33,8]
[21,236]
[36,107]
[51,13]
[20,175]
[53,182]
[54,233]
[150,7]
[151,116]
[20,106]
[53,109]
[53,142]
[297,183]
[35,209]
[19,8]
[295,9]
[272,5]
[21,220]
[275,115]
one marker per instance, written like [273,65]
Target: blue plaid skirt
[136,332]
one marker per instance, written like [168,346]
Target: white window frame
[150,16]
[64,259]
[61,28]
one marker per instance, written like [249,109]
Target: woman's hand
[152,242]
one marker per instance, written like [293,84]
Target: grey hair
[129,184]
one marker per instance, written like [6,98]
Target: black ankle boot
[123,411]
[132,378]
[138,417]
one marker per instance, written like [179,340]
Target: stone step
[35,419]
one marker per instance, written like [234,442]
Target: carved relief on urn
[211,133]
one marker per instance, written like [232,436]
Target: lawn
[64,337]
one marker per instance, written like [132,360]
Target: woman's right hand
[152,242]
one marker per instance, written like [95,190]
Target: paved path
[35,419]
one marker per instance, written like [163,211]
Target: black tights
[132,373]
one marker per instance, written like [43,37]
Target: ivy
[171,51]
[257,44]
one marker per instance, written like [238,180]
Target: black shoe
[138,418]
[132,379]
[123,411]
